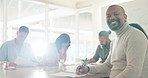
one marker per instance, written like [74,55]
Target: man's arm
[102,67]
[106,66]
[27,57]
[31,53]
[3,52]
[95,57]
[92,60]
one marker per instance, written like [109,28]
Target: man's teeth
[113,23]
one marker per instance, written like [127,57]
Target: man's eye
[108,16]
[116,14]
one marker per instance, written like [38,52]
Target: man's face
[21,36]
[66,45]
[115,18]
[103,40]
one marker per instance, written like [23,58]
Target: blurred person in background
[57,51]
[103,48]
[17,52]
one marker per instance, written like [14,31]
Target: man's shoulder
[8,42]
[99,48]
[135,33]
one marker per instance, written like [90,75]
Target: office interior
[81,19]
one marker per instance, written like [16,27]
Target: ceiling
[77,4]
[26,9]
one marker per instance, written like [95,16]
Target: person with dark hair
[138,27]
[128,56]
[103,49]
[16,51]
[57,51]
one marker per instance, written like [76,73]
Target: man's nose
[112,17]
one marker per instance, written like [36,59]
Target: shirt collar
[122,29]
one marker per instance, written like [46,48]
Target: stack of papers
[69,72]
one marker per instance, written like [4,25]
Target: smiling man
[128,58]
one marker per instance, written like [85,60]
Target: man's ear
[17,32]
[125,16]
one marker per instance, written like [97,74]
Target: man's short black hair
[24,29]
[104,33]
[118,7]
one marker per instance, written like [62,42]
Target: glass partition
[46,23]
[1,23]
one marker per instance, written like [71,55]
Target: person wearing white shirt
[16,51]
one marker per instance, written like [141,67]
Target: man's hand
[12,64]
[82,70]
[92,60]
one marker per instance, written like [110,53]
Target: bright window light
[39,48]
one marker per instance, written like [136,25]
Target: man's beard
[114,24]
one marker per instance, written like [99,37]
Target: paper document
[66,74]
[24,62]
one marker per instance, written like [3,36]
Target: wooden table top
[42,72]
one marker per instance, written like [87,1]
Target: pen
[84,63]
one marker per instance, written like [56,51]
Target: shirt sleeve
[27,52]
[103,67]
[3,52]
[31,54]
[96,56]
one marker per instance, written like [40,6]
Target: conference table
[45,72]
